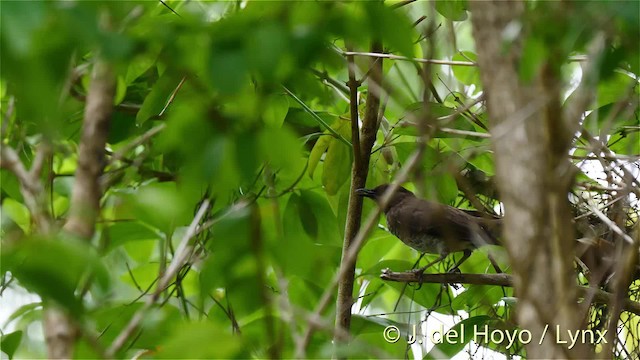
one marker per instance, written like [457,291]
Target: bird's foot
[419,272]
[455,270]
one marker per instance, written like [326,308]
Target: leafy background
[245,104]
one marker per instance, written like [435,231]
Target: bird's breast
[426,241]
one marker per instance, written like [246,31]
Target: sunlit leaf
[453,10]
[468,75]
[319,148]
[465,333]
[18,213]
[337,163]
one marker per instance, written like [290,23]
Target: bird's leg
[495,265]
[422,269]
[465,256]
[405,284]
[418,262]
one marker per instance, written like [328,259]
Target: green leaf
[269,51]
[337,163]
[247,151]
[484,162]
[60,205]
[465,331]
[10,343]
[18,213]
[439,183]
[452,9]
[390,26]
[202,340]
[122,126]
[19,22]
[228,71]
[276,110]
[9,184]
[476,295]
[626,141]
[121,90]
[468,75]
[125,231]
[320,221]
[158,97]
[281,148]
[372,324]
[615,88]
[53,268]
[319,148]
[161,205]
[232,254]
[443,186]
[296,251]
[143,276]
[22,311]
[140,65]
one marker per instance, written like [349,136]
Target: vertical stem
[359,172]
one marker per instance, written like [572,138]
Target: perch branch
[600,296]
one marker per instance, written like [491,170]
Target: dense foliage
[241,110]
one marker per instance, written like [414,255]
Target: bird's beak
[366,193]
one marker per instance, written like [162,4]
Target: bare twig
[138,141]
[578,58]
[10,160]
[172,97]
[613,226]
[397,57]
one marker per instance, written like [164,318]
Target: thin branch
[42,154]
[344,299]
[11,104]
[138,141]
[401,4]
[172,97]
[397,57]
[578,58]
[10,160]
[182,254]
[30,185]
[317,118]
[613,226]
[405,123]
[356,244]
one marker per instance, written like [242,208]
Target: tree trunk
[530,141]
[61,331]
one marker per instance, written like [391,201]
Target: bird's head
[377,193]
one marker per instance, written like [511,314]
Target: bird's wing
[436,220]
[481,230]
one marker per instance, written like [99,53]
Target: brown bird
[434,228]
